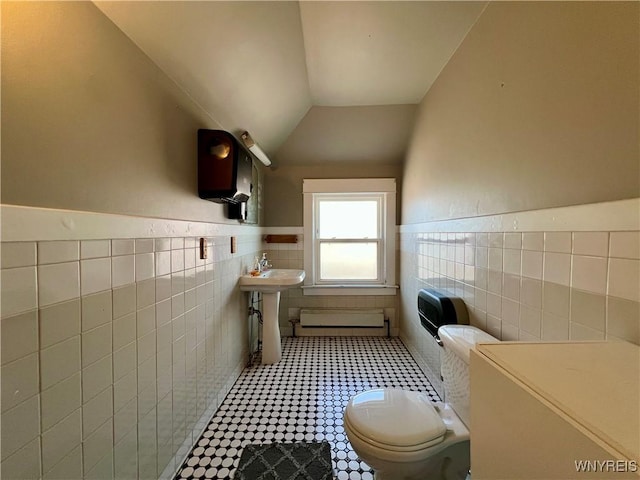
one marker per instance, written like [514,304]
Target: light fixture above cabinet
[255,148]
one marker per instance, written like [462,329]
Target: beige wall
[90,123]
[119,346]
[337,142]
[537,108]
[283,187]
[368,135]
[242,61]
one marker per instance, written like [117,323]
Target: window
[348,241]
[349,228]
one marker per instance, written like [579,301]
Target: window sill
[360,290]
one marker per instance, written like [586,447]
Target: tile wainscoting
[569,280]
[117,350]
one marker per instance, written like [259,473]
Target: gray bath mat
[286,461]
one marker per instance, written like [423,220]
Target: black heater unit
[224,171]
[436,309]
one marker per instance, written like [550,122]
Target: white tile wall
[624,278]
[59,322]
[19,381]
[60,401]
[530,286]
[19,290]
[69,467]
[19,336]
[22,464]
[113,349]
[144,266]
[18,254]
[123,270]
[58,282]
[532,264]
[95,275]
[559,242]
[58,252]
[122,247]
[533,241]
[569,277]
[591,243]
[625,245]
[557,268]
[95,248]
[59,361]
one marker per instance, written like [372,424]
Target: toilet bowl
[403,435]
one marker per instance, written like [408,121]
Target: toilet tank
[457,341]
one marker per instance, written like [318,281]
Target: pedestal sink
[270,283]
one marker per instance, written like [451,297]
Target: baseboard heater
[335,318]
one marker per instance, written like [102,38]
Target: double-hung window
[349,227]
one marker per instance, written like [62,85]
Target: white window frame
[383,189]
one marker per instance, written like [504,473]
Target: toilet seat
[395,420]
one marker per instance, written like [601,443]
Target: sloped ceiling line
[275,67]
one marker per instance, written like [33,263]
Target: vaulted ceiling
[313,81]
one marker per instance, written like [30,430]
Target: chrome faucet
[264,263]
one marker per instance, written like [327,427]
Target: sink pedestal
[271,345]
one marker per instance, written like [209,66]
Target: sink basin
[274,280]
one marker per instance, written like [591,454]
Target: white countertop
[597,384]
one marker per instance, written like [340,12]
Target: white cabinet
[555,411]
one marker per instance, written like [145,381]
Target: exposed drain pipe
[251,312]
[294,322]
[255,311]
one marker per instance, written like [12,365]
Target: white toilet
[402,435]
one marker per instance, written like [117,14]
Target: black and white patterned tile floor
[302,398]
